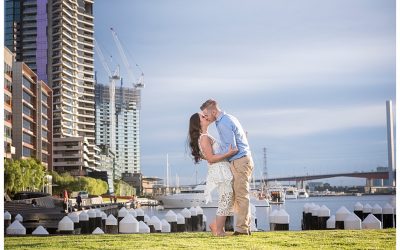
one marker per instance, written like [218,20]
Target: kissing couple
[230,165]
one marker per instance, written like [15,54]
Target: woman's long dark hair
[193,137]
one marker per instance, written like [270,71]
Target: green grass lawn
[338,239]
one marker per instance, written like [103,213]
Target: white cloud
[278,68]
[307,121]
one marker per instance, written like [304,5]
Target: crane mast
[113,77]
[139,84]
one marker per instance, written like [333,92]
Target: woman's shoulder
[208,136]
[205,135]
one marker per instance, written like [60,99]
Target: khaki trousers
[242,169]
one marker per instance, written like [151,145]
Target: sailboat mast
[265,171]
[167,184]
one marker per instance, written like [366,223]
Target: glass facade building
[25,33]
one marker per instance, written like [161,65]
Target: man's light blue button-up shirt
[231,133]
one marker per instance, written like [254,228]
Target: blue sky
[307,79]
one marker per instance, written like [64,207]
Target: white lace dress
[219,176]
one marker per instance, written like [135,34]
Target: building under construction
[126,132]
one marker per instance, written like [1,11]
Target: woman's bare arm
[206,147]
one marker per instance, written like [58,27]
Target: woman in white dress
[204,146]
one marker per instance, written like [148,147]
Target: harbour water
[295,208]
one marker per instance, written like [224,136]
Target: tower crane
[139,84]
[113,77]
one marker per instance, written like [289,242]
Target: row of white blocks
[319,217]
[129,221]
[385,214]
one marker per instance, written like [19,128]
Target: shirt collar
[221,114]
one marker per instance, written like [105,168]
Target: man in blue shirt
[231,133]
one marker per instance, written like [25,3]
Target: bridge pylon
[300,184]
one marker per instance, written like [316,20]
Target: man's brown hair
[207,104]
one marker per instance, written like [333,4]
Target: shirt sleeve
[227,135]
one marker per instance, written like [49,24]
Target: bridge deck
[367,175]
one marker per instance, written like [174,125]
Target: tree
[67,182]
[23,174]
[123,188]
[12,173]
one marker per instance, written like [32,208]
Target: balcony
[86,100]
[86,107]
[68,163]
[90,123]
[86,114]
[67,147]
[68,155]
[88,24]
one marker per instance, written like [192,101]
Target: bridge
[369,176]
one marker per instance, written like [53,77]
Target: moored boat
[276,194]
[196,197]
[303,193]
[291,193]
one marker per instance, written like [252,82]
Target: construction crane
[113,77]
[139,84]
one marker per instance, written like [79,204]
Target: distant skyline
[308,80]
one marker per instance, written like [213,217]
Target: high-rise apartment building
[127,143]
[32,112]
[28,113]
[25,35]
[71,75]
[127,138]
[56,39]
[9,59]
